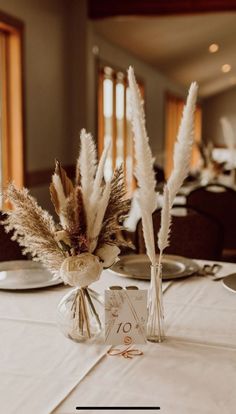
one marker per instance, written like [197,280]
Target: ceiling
[178,46]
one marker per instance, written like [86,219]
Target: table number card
[125,316]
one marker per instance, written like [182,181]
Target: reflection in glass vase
[77,315]
[155,324]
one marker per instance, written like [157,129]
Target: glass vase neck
[155,324]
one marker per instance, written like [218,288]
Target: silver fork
[209,270]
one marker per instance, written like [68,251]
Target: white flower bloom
[81,270]
[108,254]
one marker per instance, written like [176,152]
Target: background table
[131,221]
[193,371]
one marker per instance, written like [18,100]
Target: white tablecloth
[193,371]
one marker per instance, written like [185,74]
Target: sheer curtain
[114,122]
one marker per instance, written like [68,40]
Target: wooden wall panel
[107,8]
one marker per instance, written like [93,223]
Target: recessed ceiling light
[226,68]
[213,48]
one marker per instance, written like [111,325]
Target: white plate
[137,266]
[230,282]
[25,274]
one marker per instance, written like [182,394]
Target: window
[114,123]
[11,120]
[174,109]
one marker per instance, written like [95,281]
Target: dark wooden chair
[193,234]
[218,201]
[9,249]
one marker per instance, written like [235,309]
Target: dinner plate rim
[26,265]
[230,289]
[192,263]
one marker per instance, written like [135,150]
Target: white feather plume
[148,233]
[182,157]
[183,145]
[87,163]
[229,137]
[61,198]
[59,189]
[144,170]
[164,232]
[99,215]
[97,184]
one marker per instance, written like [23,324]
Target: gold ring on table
[126,353]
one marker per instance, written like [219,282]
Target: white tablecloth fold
[181,378]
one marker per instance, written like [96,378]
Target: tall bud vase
[155,323]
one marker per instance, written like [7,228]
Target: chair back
[9,249]
[193,234]
[218,201]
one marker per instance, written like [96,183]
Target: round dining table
[192,371]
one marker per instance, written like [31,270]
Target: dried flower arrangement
[91,213]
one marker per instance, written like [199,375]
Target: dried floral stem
[92,307]
[84,312]
[116,211]
[33,228]
[144,168]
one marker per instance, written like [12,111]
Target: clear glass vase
[155,323]
[77,315]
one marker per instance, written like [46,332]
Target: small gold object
[127,352]
[128,340]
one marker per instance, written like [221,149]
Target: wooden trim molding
[13,126]
[43,177]
[10,23]
[107,8]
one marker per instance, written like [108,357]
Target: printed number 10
[126,327]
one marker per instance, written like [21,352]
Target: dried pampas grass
[144,168]
[33,228]
[116,211]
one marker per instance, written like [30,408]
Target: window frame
[14,165]
[100,66]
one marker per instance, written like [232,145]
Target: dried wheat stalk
[33,228]
[116,211]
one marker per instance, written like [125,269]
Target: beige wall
[156,85]
[60,83]
[55,83]
[222,104]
